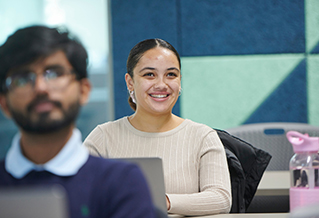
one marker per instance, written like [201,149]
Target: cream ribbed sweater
[195,168]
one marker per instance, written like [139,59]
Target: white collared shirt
[66,163]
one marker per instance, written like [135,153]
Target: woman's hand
[168,203]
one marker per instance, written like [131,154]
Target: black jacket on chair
[246,165]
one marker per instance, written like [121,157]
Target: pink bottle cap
[302,142]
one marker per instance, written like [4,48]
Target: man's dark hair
[28,44]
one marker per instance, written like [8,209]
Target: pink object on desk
[300,197]
[304,170]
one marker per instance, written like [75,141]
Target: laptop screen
[33,202]
[152,169]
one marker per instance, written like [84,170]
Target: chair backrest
[271,137]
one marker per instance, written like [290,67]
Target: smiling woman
[155,84]
[195,169]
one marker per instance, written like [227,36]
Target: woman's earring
[180,92]
[132,96]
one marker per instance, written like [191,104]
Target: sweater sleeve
[214,194]
[95,143]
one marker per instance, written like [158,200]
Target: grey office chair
[271,137]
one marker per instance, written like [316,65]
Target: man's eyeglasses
[23,82]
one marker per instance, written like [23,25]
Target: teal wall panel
[224,91]
[288,102]
[238,57]
[227,27]
[132,22]
[313,89]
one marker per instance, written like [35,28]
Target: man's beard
[44,124]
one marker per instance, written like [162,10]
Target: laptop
[152,169]
[33,202]
[51,202]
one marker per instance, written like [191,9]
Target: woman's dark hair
[137,52]
[28,44]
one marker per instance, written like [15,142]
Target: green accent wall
[312,24]
[223,91]
[313,89]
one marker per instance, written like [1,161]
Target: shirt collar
[66,163]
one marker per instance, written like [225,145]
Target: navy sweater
[101,188]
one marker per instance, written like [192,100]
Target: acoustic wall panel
[312,24]
[239,27]
[288,102]
[132,22]
[224,91]
[315,50]
[239,58]
[313,89]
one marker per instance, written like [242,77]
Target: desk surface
[274,183]
[241,215]
[255,215]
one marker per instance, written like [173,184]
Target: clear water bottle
[304,168]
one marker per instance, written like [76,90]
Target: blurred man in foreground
[43,78]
